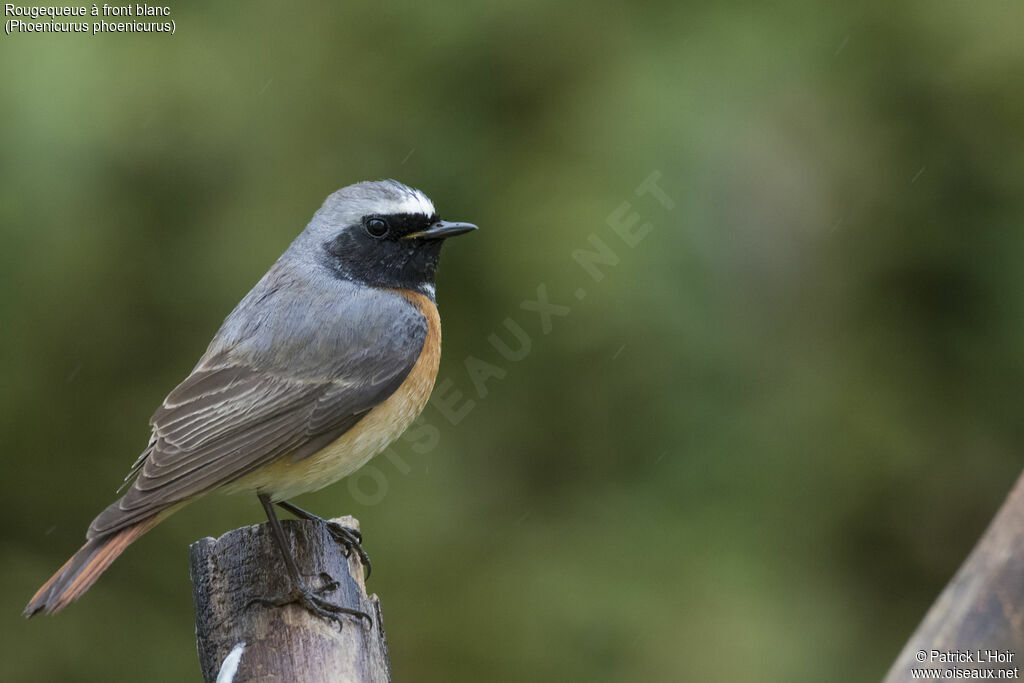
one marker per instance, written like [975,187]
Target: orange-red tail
[84,567]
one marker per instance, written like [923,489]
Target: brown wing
[226,420]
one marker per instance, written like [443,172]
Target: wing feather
[234,414]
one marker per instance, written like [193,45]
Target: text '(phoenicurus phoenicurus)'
[327,360]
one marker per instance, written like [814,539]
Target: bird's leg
[350,538]
[300,593]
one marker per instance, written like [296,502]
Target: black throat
[388,261]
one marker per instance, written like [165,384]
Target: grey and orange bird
[328,359]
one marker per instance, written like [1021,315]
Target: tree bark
[283,643]
[982,607]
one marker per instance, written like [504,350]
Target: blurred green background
[755,450]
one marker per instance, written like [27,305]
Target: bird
[329,358]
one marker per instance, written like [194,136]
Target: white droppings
[230,666]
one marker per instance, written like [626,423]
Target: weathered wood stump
[286,643]
[982,607]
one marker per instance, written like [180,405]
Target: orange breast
[284,479]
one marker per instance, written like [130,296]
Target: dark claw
[308,599]
[299,592]
[351,539]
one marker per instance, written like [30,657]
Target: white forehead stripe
[413,202]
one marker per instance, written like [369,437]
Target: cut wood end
[346,520]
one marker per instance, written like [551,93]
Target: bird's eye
[377,227]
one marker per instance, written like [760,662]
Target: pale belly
[286,478]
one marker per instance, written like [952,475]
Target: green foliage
[756,449]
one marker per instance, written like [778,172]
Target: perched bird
[322,364]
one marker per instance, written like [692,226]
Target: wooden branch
[982,608]
[282,643]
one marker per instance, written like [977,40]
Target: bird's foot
[351,540]
[313,602]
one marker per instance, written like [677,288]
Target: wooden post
[982,607]
[282,643]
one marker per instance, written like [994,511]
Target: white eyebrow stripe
[410,203]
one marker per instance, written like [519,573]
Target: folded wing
[231,416]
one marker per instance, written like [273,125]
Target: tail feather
[81,571]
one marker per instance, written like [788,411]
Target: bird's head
[380,233]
